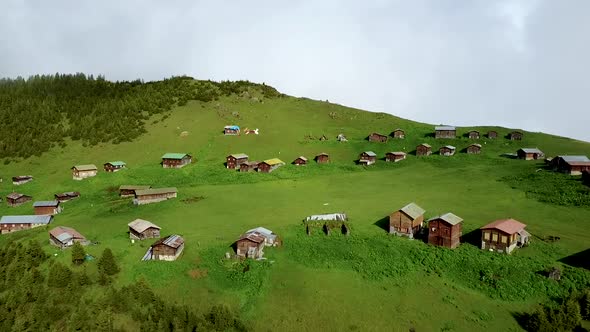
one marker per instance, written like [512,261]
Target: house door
[441,241]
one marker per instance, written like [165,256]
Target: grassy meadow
[368,281]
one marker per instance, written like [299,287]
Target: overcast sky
[522,64]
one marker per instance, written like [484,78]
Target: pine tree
[107,263]
[59,275]
[78,254]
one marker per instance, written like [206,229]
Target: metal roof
[274,161]
[413,210]
[171,155]
[509,226]
[261,230]
[155,191]
[89,167]
[445,128]
[531,150]
[397,153]
[426,145]
[132,187]
[302,158]
[476,144]
[328,217]
[398,129]
[474,131]
[322,154]
[232,127]
[22,177]
[63,233]
[117,163]
[140,225]
[30,219]
[370,153]
[449,147]
[570,159]
[239,155]
[45,203]
[254,237]
[15,195]
[448,217]
[379,134]
[172,241]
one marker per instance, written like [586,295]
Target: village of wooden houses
[502,236]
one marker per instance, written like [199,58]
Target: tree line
[40,112]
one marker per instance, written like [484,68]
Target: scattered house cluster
[154,195]
[80,172]
[21,179]
[251,244]
[64,237]
[176,160]
[67,196]
[9,224]
[240,161]
[16,199]
[47,207]
[327,222]
[114,166]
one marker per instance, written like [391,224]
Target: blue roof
[232,127]
[32,219]
[45,203]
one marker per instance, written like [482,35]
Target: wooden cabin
[16,199]
[129,190]
[154,195]
[424,150]
[176,160]
[504,235]
[474,134]
[270,165]
[376,137]
[9,224]
[114,166]
[573,165]
[367,158]
[231,130]
[407,221]
[398,133]
[395,156]
[234,161]
[166,249]
[515,136]
[300,161]
[492,134]
[21,179]
[249,166]
[447,150]
[474,149]
[63,237]
[250,245]
[80,172]
[47,207]
[270,238]
[445,231]
[327,222]
[445,132]
[67,196]
[322,158]
[140,229]
[530,154]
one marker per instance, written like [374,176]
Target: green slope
[369,281]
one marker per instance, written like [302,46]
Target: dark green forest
[40,294]
[40,112]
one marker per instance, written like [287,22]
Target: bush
[78,254]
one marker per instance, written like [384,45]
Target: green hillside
[368,281]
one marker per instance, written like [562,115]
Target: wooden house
[231,130]
[270,165]
[395,156]
[573,165]
[270,238]
[80,172]
[424,150]
[445,231]
[63,237]
[16,199]
[376,137]
[322,158]
[367,158]
[474,134]
[154,195]
[445,132]
[67,196]
[140,229]
[341,138]
[398,133]
[327,222]
[515,136]
[166,249]
[10,224]
[492,134]
[21,179]
[114,166]
[176,160]
[129,190]
[47,207]
[300,161]
[504,235]
[530,154]
[249,166]
[250,245]
[474,149]
[407,221]
[447,150]
[234,161]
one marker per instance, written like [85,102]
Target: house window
[486,236]
[495,237]
[504,239]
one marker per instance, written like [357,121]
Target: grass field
[368,281]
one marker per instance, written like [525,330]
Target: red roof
[509,226]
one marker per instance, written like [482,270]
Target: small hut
[234,161]
[9,224]
[530,154]
[327,222]
[67,196]
[492,134]
[129,190]
[376,137]
[573,165]
[515,136]
[176,160]
[398,133]
[447,150]
[21,179]
[445,132]
[474,149]
[63,237]
[154,195]
[445,231]
[47,207]
[140,229]
[504,235]
[114,166]
[407,221]
[231,130]
[322,158]
[16,199]
[367,158]
[80,172]
[249,166]
[270,165]
[300,161]
[341,138]
[166,249]
[250,245]
[424,150]
[395,156]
